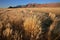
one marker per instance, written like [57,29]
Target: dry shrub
[11,26]
[54,30]
[8,30]
[1,25]
[32,26]
[35,25]
[52,15]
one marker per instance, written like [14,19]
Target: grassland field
[30,23]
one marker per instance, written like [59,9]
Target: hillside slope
[37,5]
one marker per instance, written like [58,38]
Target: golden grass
[30,24]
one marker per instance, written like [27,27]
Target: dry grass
[30,24]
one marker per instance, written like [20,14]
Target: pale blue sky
[6,3]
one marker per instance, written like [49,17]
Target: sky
[7,3]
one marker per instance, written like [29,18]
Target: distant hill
[37,5]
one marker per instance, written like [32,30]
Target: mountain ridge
[31,5]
